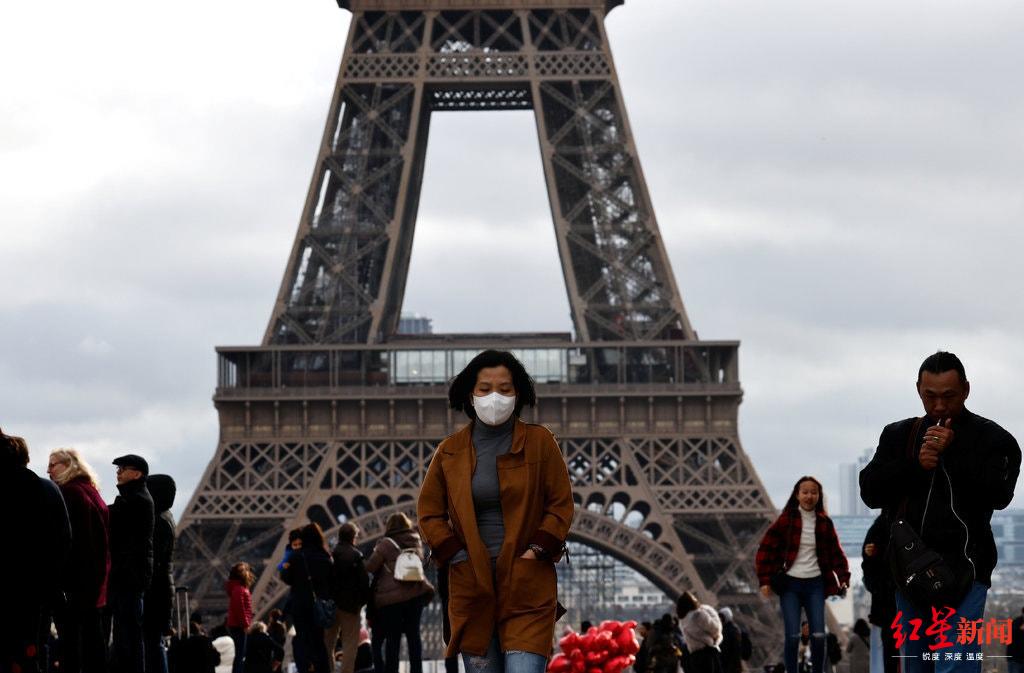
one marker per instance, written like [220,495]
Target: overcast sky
[840,186]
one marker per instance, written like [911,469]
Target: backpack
[408,566]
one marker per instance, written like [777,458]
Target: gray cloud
[839,187]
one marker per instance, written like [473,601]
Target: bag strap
[901,511]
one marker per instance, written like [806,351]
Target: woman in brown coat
[496,506]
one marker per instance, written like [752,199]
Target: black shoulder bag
[323,608]
[922,574]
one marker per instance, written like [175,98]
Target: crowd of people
[89,574]
[494,511]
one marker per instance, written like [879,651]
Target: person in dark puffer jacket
[78,622]
[132,521]
[159,600]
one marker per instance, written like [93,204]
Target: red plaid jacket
[781,542]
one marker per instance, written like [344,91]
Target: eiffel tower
[335,416]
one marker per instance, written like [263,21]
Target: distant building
[415,324]
[850,503]
[1008,530]
[852,530]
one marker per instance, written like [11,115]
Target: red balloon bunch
[608,648]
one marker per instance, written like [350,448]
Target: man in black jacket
[156,621]
[944,482]
[131,560]
[351,585]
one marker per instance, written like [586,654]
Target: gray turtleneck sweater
[489,443]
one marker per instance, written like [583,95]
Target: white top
[806,564]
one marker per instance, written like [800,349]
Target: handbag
[323,608]
[922,574]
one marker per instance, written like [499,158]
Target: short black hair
[461,387]
[13,451]
[942,361]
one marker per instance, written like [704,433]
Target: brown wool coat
[537,508]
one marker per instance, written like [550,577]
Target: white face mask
[494,409]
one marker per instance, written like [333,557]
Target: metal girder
[646,415]
[346,276]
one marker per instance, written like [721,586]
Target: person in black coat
[131,560]
[261,651]
[878,582]
[34,520]
[351,591]
[159,599]
[308,572]
[735,645]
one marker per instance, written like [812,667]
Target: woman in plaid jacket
[801,561]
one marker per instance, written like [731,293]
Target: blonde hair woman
[78,622]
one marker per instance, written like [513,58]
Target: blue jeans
[972,607]
[808,595]
[496,661]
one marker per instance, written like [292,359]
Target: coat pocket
[464,593]
[533,586]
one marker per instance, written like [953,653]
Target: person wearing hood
[225,647]
[308,572]
[79,626]
[399,604]
[702,634]
[240,580]
[736,646]
[35,523]
[131,560]
[159,599]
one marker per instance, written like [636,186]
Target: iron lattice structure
[335,417]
